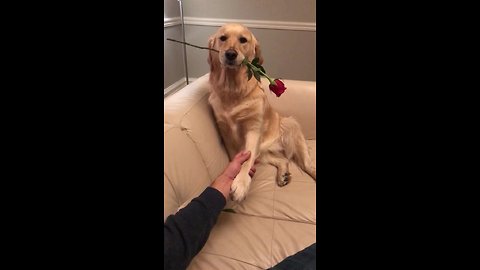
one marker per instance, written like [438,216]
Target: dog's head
[234,42]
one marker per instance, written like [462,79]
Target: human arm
[186,232]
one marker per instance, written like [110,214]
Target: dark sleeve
[186,232]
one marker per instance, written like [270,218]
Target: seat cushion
[270,224]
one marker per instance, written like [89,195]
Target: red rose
[279,88]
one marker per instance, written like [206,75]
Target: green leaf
[249,74]
[262,69]
[257,76]
[255,61]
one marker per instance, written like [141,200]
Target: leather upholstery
[272,222]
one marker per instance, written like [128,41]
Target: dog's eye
[243,40]
[223,38]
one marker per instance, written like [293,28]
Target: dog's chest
[227,119]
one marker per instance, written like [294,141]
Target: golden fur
[244,117]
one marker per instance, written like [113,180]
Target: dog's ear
[211,54]
[257,51]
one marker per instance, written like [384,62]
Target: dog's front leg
[241,183]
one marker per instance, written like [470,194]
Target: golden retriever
[244,117]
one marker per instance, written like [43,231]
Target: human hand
[235,165]
[224,181]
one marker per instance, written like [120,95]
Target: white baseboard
[169,22]
[174,87]
[276,25]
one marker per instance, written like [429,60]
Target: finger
[244,156]
[238,155]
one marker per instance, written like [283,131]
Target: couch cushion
[299,101]
[295,201]
[251,242]
[189,110]
[271,224]
[185,174]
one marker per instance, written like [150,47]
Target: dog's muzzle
[231,56]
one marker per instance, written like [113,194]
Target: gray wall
[264,10]
[173,64]
[170,9]
[288,54]
[173,53]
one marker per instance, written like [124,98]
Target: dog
[245,119]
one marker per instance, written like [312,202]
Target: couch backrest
[194,154]
[299,101]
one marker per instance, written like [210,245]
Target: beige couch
[272,222]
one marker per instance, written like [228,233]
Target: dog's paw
[284,179]
[239,188]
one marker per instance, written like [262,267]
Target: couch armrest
[299,101]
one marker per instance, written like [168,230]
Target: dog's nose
[231,54]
